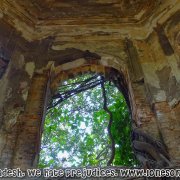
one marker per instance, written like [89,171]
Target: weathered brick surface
[28,129]
[142,112]
[168,120]
[136,49]
[28,139]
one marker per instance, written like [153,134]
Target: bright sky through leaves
[75,131]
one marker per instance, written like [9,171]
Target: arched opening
[150,152]
[87,124]
[109,73]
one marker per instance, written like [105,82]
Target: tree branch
[110,123]
[83,87]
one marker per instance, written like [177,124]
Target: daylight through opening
[87,124]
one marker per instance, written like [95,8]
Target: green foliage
[75,131]
[121,129]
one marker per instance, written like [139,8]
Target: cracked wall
[152,74]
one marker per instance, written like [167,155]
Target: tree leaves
[75,131]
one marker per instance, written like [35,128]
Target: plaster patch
[160,96]
[50,64]
[140,14]
[150,75]
[30,67]
[173,103]
[8,94]
[111,61]
[24,89]
[74,64]
[25,95]
[57,47]
[11,118]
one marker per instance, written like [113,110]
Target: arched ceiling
[37,19]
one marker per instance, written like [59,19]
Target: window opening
[87,124]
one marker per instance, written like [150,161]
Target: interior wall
[162,81]
[153,80]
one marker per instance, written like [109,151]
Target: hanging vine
[109,124]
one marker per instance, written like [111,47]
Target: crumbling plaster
[41,50]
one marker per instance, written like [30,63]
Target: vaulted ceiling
[37,19]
